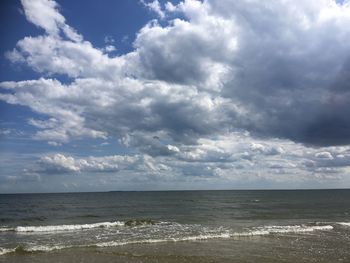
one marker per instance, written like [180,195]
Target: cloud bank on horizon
[215,92]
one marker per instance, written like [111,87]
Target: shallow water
[188,226]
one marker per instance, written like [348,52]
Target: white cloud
[45,14]
[60,163]
[155,7]
[324,155]
[5,132]
[75,59]
[170,7]
[63,163]
[109,48]
[208,64]
[173,148]
[109,40]
[201,89]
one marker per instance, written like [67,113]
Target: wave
[225,235]
[7,229]
[141,222]
[206,234]
[4,251]
[56,228]
[162,240]
[267,230]
[344,223]
[24,250]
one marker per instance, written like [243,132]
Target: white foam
[251,233]
[225,235]
[179,239]
[45,248]
[203,234]
[297,228]
[4,251]
[268,230]
[344,223]
[6,229]
[55,228]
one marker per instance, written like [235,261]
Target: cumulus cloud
[224,57]
[61,163]
[45,14]
[324,155]
[277,71]
[155,7]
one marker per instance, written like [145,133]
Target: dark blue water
[47,223]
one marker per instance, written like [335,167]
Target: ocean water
[176,226]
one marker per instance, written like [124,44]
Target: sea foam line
[266,230]
[33,249]
[4,251]
[56,228]
[344,223]
[225,235]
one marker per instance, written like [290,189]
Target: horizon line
[181,190]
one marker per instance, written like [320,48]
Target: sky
[174,95]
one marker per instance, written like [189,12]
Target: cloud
[109,48]
[324,155]
[229,161]
[288,66]
[188,52]
[45,14]
[46,96]
[61,163]
[216,88]
[249,49]
[74,59]
[5,132]
[155,7]
[225,55]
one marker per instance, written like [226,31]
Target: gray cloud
[221,87]
[289,67]
[274,70]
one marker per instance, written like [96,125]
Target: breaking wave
[151,232]
[344,223]
[56,228]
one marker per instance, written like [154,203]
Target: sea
[177,226]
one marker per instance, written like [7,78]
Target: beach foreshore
[264,249]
